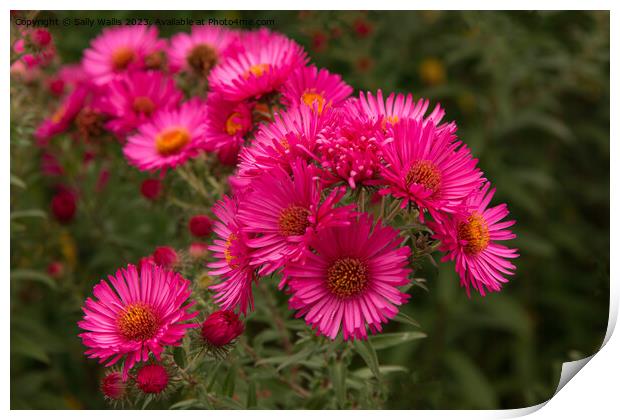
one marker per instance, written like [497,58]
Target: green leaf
[251,400]
[474,385]
[403,318]
[33,275]
[368,353]
[186,404]
[228,388]
[20,214]
[15,180]
[338,376]
[20,344]
[386,340]
[366,373]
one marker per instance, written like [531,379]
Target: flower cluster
[323,189]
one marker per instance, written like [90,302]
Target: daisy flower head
[428,167]
[117,50]
[283,212]
[226,123]
[351,279]
[266,62]
[395,108]
[133,98]
[470,238]
[313,87]
[199,51]
[135,314]
[62,118]
[232,256]
[171,138]
[291,135]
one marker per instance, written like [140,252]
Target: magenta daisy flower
[268,60]
[139,314]
[118,50]
[226,123]
[351,279]
[171,137]
[312,87]
[396,108]
[428,167]
[132,99]
[200,50]
[62,118]
[232,258]
[470,237]
[293,134]
[284,212]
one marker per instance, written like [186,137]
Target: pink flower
[169,139]
[202,49]
[470,238]
[282,213]
[152,379]
[428,167]
[138,315]
[268,60]
[293,134]
[133,99]
[198,250]
[41,37]
[62,118]
[118,50]
[221,328]
[227,123]
[232,258]
[350,279]
[315,88]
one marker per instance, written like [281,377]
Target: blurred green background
[530,94]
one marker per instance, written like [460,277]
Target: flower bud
[64,206]
[165,256]
[200,225]
[221,328]
[152,379]
[151,189]
[113,387]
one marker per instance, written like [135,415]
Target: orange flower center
[476,232]
[202,58]
[138,321]
[257,70]
[347,277]
[293,221]
[233,126]
[171,141]
[310,97]
[144,105]
[425,173]
[393,120]
[122,57]
[228,255]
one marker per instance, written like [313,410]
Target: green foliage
[530,93]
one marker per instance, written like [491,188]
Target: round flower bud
[151,189]
[113,387]
[152,379]
[200,225]
[198,250]
[64,206]
[221,328]
[165,256]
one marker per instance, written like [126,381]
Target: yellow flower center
[202,58]
[425,173]
[227,254]
[347,277]
[233,126]
[293,221]
[476,232]
[144,105]
[58,115]
[171,141]
[122,57]
[138,322]
[257,70]
[310,97]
